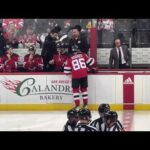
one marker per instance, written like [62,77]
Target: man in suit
[119,56]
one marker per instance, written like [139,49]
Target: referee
[99,123]
[72,116]
[84,120]
[110,120]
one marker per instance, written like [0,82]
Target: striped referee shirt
[114,128]
[84,128]
[120,125]
[68,127]
[98,123]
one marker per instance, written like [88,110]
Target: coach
[119,56]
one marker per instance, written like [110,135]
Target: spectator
[12,27]
[33,62]
[105,31]
[120,55]
[51,23]
[59,58]
[18,23]
[28,39]
[78,39]
[10,60]
[49,48]
[2,41]
[67,25]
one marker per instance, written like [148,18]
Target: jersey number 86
[78,64]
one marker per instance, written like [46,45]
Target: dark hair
[57,29]
[115,40]
[78,27]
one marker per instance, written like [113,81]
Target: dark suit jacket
[114,57]
[2,44]
[81,42]
[49,48]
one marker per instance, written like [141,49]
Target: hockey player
[110,119]
[72,116]
[33,62]
[77,64]
[9,60]
[59,58]
[84,120]
[99,123]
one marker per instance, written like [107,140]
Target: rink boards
[51,91]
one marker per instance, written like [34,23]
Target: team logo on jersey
[128,81]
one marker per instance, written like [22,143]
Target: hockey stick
[62,38]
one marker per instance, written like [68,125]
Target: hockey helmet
[103,108]
[32,48]
[72,114]
[111,115]
[75,48]
[84,114]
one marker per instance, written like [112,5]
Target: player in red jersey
[33,62]
[77,63]
[9,60]
[59,58]
[1,65]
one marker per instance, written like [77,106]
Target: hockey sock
[84,96]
